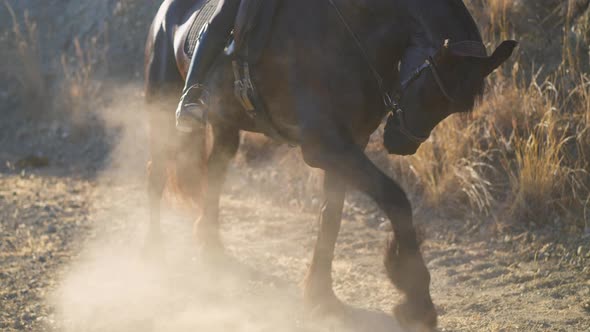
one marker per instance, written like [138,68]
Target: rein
[389,102]
[429,63]
[391,105]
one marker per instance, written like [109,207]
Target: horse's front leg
[318,293]
[226,141]
[405,265]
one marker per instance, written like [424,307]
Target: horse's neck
[407,30]
[381,28]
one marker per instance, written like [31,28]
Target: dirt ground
[71,236]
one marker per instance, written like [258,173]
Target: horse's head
[449,82]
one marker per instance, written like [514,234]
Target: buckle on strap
[390,105]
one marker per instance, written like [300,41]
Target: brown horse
[324,75]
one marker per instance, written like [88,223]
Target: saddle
[249,39]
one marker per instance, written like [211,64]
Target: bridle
[391,105]
[399,112]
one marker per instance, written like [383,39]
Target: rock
[385,226]
[29,317]
[547,248]
[51,229]
[580,250]
[18,325]
[32,161]
[118,11]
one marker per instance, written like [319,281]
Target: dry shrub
[546,162]
[449,169]
[499,23]
[546,174]
[21,61]
[80,89]
[21,54]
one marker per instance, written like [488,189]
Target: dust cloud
[116,285]
[113,288]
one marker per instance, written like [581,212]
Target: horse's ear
[500,55]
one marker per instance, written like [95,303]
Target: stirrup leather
[243,87]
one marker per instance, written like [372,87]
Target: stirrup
[198,101]
[192,115]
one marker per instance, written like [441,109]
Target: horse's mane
[466,19]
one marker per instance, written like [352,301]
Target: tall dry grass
[21,60]
[77,86]
[80,88]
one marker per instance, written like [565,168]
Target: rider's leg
[191,111]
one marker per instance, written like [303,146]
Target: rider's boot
[192,109]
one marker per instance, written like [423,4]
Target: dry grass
[80,89]
[78,86]
[21,61]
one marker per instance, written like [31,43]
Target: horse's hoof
[327,305]
[332,308]
[416,318]
[208,241]
[213,254]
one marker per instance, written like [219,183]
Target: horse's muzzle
[397,142]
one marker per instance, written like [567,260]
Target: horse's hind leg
[226,141]
[162,87]
[318,293]
[160,154]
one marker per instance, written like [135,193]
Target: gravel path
[71,261]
